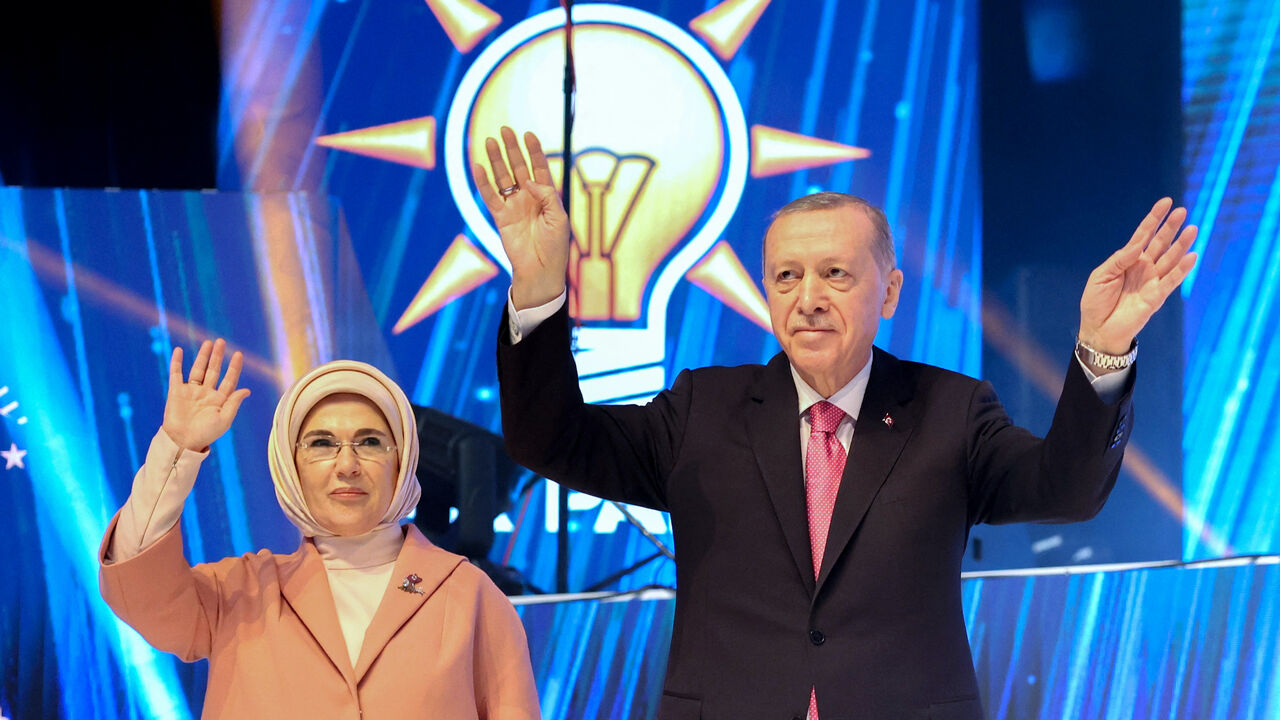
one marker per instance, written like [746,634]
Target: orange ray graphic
[466,22]
[721,273]
[408,142]
[726,25]
[462,269]
[775,151]
[286,289]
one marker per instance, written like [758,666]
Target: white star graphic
[13,457]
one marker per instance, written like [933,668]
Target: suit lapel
[305,587]
[773,427]
[872,455]
[417,556]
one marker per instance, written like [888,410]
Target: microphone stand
[570,88]
[566,178]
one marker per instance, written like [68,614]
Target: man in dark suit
[820,503]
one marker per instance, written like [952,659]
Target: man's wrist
[529,295]
[1102,363]
[522,322]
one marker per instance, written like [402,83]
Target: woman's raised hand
[199,410]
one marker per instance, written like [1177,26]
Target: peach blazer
[268,625]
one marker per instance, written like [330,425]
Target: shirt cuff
[1110,386]
[523,322]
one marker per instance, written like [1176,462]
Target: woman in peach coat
[367,619]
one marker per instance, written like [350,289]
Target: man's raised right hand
[530,219]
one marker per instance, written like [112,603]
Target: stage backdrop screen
[1231,436]
[692,124]
[346,224]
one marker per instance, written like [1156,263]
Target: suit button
[816,637]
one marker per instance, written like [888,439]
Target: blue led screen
[1231,437]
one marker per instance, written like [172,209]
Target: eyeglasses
[368,448]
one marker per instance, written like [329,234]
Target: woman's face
[349,493]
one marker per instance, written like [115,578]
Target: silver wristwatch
[1105,361]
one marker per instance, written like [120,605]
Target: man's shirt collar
[847,398]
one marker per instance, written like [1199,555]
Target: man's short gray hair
[882,244]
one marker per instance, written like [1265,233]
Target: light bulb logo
[611,186]
[661,159]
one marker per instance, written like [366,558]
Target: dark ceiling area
[110,95]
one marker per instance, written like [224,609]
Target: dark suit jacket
[880,634]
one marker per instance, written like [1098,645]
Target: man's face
[826,293]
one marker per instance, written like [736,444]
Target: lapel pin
[410,584]
[887,419]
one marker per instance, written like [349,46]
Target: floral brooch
[410,584]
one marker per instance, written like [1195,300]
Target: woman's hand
[200,410]
[529,217]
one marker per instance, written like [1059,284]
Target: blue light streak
[1231,140]
[813,88]
[284,94]
[1220,402]
[929,346]
[191,515]
[71,313]
[906,126]
[849,130]
[334,83]
[73,499]
[238,77]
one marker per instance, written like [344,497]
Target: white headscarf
[342,376]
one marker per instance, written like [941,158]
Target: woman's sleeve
[143,572]
[174,606]
[160,490]
[503,674]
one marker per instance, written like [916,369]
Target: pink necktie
[823,465]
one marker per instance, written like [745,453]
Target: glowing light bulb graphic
[661,159]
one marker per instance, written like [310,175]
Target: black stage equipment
[464,466]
